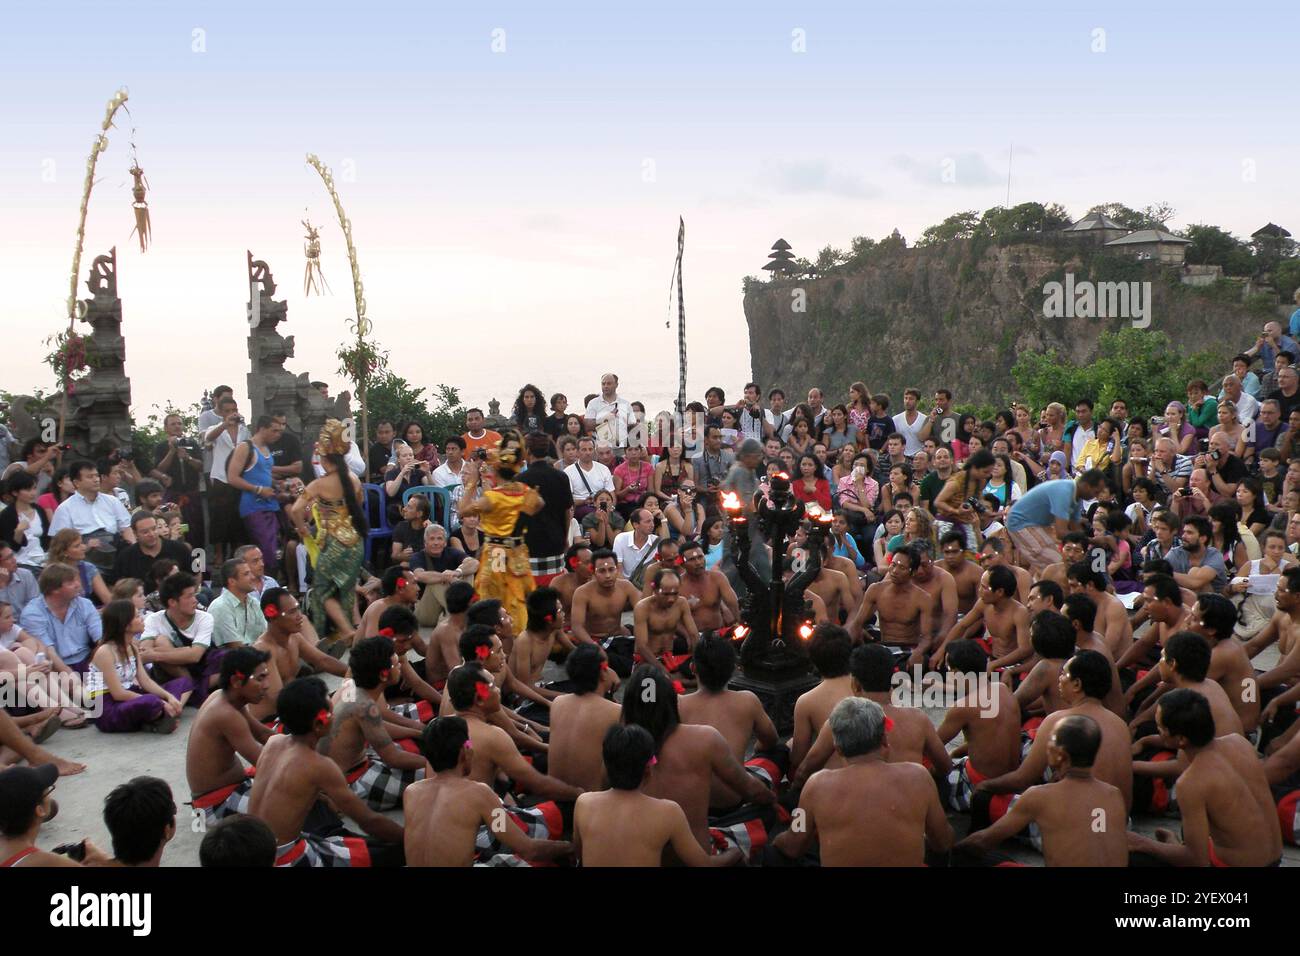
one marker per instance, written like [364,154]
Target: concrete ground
[114,758]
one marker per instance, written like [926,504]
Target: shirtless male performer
[283,640]
[398,588]
[828,652]
[1214,619]
[1075,820]
[602,835]
[912,736]
[688,756]
[1052,636]
[535,643]
[577,572]
[1228,814]
[446,811]
[1073,548]
[712,600]
[737,714]
[223,731]
[658,620]
[986,712]
[869,811]
[376,768]
[444,642]
[1081,611]
[904,611]
[1083,684]
[579,720]
[999,624]
[1112,617]
[939,585]
[598,608]
[292,776]
[965,573]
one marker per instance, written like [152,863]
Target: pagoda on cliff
[781,260]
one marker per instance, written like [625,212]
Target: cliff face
[958,315]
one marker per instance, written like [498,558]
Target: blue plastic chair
[440,499]
[379,527]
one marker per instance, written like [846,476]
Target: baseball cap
[21,791]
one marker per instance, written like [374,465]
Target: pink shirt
[636,484]
[848,493]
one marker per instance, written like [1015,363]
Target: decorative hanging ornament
[313,278]
[138,189]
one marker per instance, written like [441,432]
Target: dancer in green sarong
[333,502]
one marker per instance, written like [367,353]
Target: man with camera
[711,466]
[1224,469]
[227,527]
[178,464]
[587,478]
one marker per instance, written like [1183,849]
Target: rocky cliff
[959,313]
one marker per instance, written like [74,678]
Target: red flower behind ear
[401,583]
[482,652]
[385,632]
[889,724]
[573,563]
[271,611]
[482,690]
[387,672]
[604,665]
[322,716]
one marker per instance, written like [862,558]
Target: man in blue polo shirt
[62,619]
[1045,513]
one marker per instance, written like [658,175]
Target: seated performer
[1078,820]
[688,757]
[598,608]
[480,644]
[398,588]
[663,628]
[376,768]
[444,650]
[601,834]
[1084,682]
[545,803]
[446,811]
[400,625]
[1052,637]
[291,776]
[912,737]
[1228,814]
[709,594]
[905,612]
[537,642]
[989,717]
[580,718]
[224,731]
[828,652]
[868,812]
[738,715]
[999,623]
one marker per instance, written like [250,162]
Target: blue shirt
[1044,504]
[73,637]
[1294,325]
[1287,344]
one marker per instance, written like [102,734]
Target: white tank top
[94,683]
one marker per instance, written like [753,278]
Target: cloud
[957,169]
[817,176]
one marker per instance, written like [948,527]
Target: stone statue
[100,404]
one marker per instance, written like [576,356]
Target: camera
[1215,455]
[1205,445]
[603,506]
[1185,491]
[73,851]
[976,505]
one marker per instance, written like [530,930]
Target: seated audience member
[135,560]
[292,776]
[128,698]
[25,805]
[141,819]
[177,641]
[868,812]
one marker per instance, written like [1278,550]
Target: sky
[514,172]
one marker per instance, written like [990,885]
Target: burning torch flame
[783,476]
[731,501]
[805,630]
[740,632]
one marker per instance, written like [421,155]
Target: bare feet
[67,768]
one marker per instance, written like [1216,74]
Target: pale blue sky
[532,195]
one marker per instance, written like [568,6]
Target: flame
[740,632]
[805,630]
[783,476]
[731,501]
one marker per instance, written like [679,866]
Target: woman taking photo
[958,504]
[67,547]
[403,474]
[685,513]
[426,452]
[602,525]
